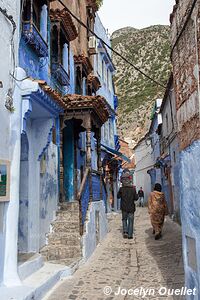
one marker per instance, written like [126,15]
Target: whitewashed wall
[7,136]
[143,162]
[96,228]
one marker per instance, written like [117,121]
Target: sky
[116,14]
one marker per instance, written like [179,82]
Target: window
[78,86]
[90,21]
[102,68]
[33,13]
[54,136]
[64,52]
[167,123]
[35,26]
[60,66]
[174,157]
[102,132]
[110,82]
[105,72]
[54,45]
[59,52]
[36,14]
[99,65]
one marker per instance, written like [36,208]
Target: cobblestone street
[130,264]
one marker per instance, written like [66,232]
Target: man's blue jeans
[127,222]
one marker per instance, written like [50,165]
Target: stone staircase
[64,240]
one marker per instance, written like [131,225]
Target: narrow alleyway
[130,264]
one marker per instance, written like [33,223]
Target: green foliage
[149,50]
[99,3]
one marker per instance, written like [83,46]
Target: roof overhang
[84,62]
[92,104]
[59,14]
[117,154]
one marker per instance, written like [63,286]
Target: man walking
[141,197]
[128,196]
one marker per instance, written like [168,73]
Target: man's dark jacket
[141,193]
[128,196]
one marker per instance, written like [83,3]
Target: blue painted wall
[109,130]
[48,190]
[40,69]
[190,211]
[23,196]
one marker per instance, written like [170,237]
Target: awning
[119,154]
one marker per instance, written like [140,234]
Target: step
[38,284]
[71,262]
[73,233]
[62,227]
[30,266]
[67,212]
[68,218]
[69,206]
[69,223]
[64,239]
[60,252]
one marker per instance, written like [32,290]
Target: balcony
[32,37]
[60,74]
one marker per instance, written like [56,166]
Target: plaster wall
[96,228]
[6,147]
[48,191]
[80,44]
[169,114]
[106,78]
[190,214]
[144,162]
[101,31]
[170,146]
[38,185]
[9,271]
[155,139]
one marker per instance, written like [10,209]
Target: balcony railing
[33,38]
[60,74]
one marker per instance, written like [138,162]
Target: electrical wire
[20,80]
[10,18]
[184,26]
[9,99]
[109,47]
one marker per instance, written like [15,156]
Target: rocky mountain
[149,50]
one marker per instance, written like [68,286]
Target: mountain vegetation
[149,50]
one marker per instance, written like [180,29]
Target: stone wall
[185,60]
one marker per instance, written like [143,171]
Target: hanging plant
[9,101]
[99,3]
